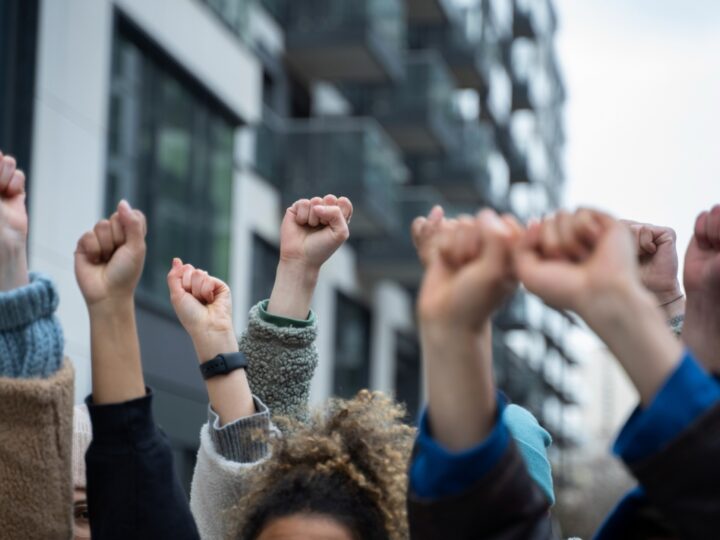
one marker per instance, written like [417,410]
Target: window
[170,154]
[264,264]
[352,347]
[407,373]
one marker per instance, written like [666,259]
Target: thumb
[133,221]
[174,279]
[333,217]
[496,237]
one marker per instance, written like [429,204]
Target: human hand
[312,230]
[425,232]
[586,262]
[577,261]
[13,226]
[203,305]
[702,285]
[702,259]
[657,255]
[472,273]
[109,259]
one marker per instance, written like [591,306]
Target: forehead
[305,527]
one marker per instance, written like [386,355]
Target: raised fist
[13,225]
[425,233]
[203,305]
[472,272]
[657,255]
[702,259]
[312,230]
[109,259]
[572,260]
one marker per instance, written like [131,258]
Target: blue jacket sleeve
[687,394]
[31,339]
[132,488]
[436,472]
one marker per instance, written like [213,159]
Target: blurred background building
[213,115]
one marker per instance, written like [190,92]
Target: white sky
[643,107]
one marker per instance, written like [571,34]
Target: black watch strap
[223,364]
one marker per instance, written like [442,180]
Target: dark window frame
[342,302]
[208,109]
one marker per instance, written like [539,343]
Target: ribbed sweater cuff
[27,304]
[245,440]
[122,424]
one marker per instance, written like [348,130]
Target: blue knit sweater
[31,339]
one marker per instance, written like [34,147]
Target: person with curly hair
[338,473]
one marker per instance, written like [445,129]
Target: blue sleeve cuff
[436,472]
[685,396]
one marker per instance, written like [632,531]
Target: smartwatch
[223,364]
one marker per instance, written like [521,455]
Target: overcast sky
[643,110]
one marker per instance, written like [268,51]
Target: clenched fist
[109,259]
[13,225]
[203,305]
[471,274]
[572,261]
[312,230]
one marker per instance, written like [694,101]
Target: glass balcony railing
[270,147]
[343,40]
[418,112]
[429,11]
[463,175]
[394,256]
[345,156]
[233,13]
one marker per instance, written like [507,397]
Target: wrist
[293,290]
[209,344]
[111,307]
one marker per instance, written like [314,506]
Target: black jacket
[132,489]
[681,484]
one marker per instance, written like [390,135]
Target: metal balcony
[343,40]
[466,54]
[394,256]
[233,13]
[513,315]
[345,156]
[418,112]
[462,175]
[516,160]
[429,11]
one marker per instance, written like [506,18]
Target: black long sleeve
[132,488]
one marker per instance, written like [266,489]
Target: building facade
[213,115]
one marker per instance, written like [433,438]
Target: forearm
[629,322]
[672,304]
[230,395]
[292,292]
[461,393]
[116,366]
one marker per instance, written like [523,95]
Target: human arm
[656,250]
[131,484]
[464,455]
[660,442]
[36,386]
[702,283]
[279,341]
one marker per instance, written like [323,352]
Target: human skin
[468,276]
[589,266]
[13,226]
[305,527]
[701,330]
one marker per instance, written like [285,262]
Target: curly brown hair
[348,462]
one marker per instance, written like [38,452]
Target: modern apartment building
[213,115]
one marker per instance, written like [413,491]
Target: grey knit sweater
[281,362]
